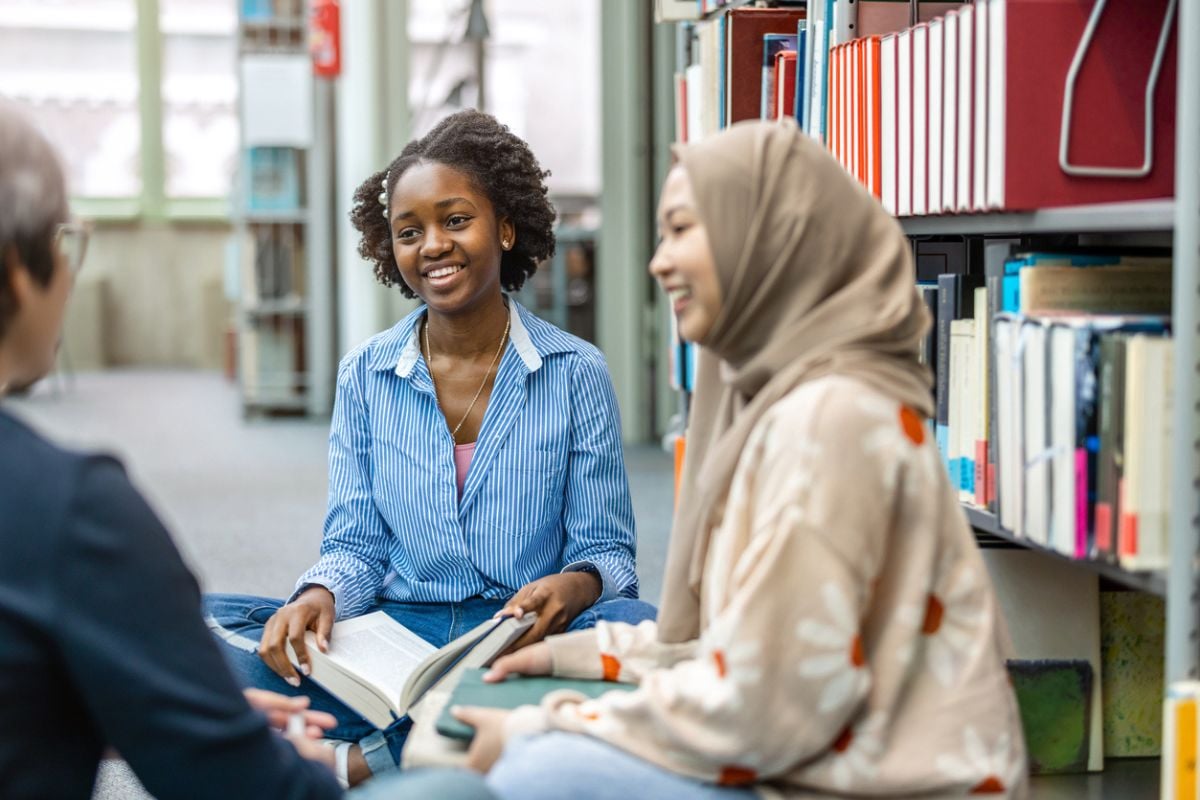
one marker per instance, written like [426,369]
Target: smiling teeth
[678,294]
[444,272]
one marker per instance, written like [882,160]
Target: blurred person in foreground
[828,626]
[102,643]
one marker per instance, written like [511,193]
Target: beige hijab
[817,280]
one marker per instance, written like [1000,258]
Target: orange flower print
[899,436]
[839,658]
[856,753]
[946,622]
[736,776]
[982,768]
[913,425]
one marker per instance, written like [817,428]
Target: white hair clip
[383,198]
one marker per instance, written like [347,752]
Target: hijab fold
[816,279]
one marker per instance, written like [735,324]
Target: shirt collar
[532,338]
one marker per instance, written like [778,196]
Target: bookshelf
[1175,219]
[283,217]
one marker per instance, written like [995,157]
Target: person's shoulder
[42,483]
[382,350]
[837,409]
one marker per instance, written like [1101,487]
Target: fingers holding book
[312,610]
[532,660]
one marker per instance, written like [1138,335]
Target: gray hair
[33,195]
[33,199]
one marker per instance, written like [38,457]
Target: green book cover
[516,691]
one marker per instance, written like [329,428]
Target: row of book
[1053,397]
[985,109]
[993,105]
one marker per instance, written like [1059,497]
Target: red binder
[744,31]
[1031,45]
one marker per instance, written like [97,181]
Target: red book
[783,104]
[1030,47]
[744,31]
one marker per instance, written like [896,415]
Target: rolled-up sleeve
[598,512]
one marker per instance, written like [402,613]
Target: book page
[378,649]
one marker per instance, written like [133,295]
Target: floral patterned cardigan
[851,640]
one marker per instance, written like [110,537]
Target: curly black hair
[498,162]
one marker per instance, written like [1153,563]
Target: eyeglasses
[71,239]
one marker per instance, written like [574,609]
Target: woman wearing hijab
[827,624]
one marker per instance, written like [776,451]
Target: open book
[380,668]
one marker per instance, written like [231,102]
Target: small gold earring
[504,244]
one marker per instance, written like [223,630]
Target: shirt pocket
[521,492]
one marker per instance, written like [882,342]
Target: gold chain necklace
[479,391]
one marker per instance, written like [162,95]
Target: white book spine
[887,121]
[949,112]
[936,55]
[904,133]
[979,129]
[920,119]
[966,115]
[997,69]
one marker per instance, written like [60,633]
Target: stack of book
[1053,395]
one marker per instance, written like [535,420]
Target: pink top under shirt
[462,462]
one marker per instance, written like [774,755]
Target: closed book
[1112,442]
[949,112]
[888,122]
[981,406]
[953,303]
[965,126]
[772,45]
[920,119]
[1181,724]
[744,31]
[1009,426]
[800,102]
[1120,289]
[904,124]
[1142,532]
[936,73]
[995,253]
[508,694]
[1027,103]
[783,102]
[1036,444]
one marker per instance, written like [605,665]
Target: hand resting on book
[557,599]
[314,611]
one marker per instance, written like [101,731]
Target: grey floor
[245,498]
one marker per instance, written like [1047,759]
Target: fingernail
[324,643]
[304,668]
[293,681]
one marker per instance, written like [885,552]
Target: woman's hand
[279,709]
[533,660]
[312,611]
[556,599]
[489,739]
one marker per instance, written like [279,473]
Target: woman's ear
[508,234]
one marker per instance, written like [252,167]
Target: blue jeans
[237,620]
[550,766]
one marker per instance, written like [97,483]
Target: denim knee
[620,610]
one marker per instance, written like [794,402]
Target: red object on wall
[325,38]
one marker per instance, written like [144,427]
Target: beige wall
[150,294]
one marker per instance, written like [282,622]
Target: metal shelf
[1141,215]
[1122,779]
[1154,582]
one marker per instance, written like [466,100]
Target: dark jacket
[102,643]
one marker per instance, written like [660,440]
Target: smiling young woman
[475,453]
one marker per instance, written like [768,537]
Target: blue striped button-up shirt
[546,490]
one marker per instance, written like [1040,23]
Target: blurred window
[199,92]
[73,65]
